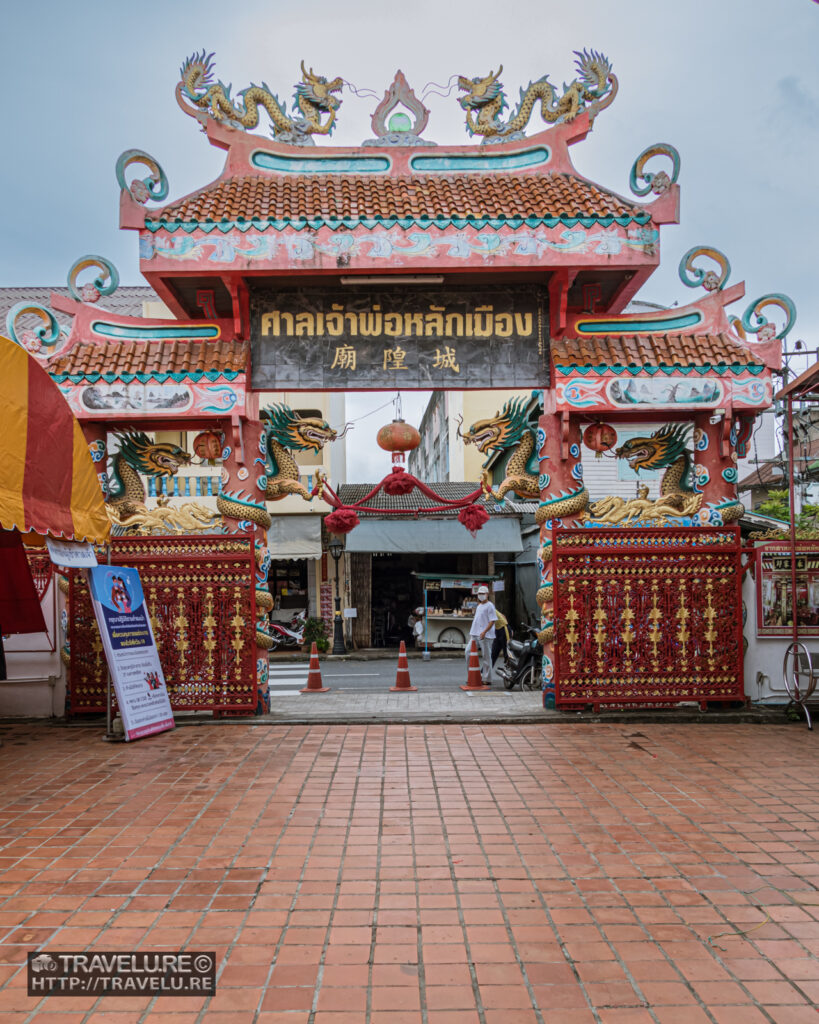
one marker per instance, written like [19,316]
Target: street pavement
[371,672]
[420,874]
[359,691]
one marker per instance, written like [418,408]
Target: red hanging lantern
[398,437]
[208,445]
[600,437]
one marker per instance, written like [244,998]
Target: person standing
[483,632]
[501,637]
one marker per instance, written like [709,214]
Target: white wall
[609,475]
[764,655]
[36,684]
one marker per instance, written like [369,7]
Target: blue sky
[731,83]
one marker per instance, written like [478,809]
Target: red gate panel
[201,597]
[647,616]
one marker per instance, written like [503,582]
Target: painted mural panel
[126,399]
[399,338]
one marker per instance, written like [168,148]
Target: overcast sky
[732,84]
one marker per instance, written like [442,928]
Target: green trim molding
[601,369]
[674,322]
[371,223]
[193,376]
[106,330]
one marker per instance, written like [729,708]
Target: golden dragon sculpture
[507,429]
[485,99]
[286,432]
[313,100]
[665,449]
[139,456]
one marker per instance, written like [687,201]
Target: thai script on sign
[492,336]
[437,322]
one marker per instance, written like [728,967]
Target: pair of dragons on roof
[315,103]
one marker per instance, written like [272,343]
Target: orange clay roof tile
[151,357]
[467,196]
[652,350]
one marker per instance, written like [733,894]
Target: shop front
[449,607]
[296,572]
[392,561]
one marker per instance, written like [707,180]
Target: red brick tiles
[422,874]
[152,357]
[468,196]
[656,349]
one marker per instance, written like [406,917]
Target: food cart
[449,605]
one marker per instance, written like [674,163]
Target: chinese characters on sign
[774,611]
[399,338]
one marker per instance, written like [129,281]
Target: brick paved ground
[423,874]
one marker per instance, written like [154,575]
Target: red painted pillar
[715,470]
[563,497]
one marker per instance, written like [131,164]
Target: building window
[288,583]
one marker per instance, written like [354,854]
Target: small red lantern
[600,437]
[398,437]
[208,445]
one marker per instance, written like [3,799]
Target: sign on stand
[128,641]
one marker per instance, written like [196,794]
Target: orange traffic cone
[473,676]
[402,676]
[314,683]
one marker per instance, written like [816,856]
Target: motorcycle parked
[522,664]
[282,636]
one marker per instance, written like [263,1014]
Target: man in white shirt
[483,631]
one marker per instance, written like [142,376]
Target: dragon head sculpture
[503,430]
[316,91]
[481,91]
[298,433]
[658,451]
[151,458]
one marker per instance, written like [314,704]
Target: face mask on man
[483,597]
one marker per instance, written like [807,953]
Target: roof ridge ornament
[105,283]
[312,100]
[764,328]
[660,182]
[154,187]
[399,130]
[42,342]
[595,85]
[692,276]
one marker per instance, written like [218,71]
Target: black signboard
[401,338]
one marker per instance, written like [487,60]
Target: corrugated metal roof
[127,300]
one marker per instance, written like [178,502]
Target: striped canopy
[48,483]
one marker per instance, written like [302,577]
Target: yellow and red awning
[48,483]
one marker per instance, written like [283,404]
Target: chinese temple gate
[402,264]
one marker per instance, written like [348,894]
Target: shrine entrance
[647,616]
[406,264]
